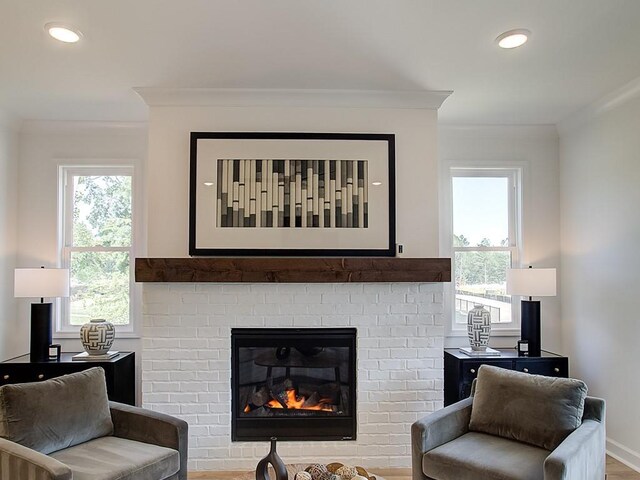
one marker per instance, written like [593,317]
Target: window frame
[63,327]
[514,175]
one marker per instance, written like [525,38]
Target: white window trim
[515,172]
[62,328]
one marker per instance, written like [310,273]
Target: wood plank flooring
[615,471]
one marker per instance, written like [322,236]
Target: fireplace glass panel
[291,381]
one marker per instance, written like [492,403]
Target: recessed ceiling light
[377,184]
[208,184]
[513,38]
[63,33]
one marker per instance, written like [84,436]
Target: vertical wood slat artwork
[292,193]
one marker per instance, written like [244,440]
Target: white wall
[9,323]
[44,146]
[535,149]
[600,185]
[168,169]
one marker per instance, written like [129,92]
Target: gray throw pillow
[533,409]
[55,414]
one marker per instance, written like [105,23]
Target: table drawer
[470,369]
[550,368]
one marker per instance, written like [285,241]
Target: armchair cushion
[113,458]
[534,409]
[57,413]
[478,456]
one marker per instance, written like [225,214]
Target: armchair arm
[580,456]
[22,463]
[436,429]
[151,427]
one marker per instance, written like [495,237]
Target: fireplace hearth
[293,384]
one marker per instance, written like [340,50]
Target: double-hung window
[97,245]
[485,208]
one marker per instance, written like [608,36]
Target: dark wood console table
[119,371]
[460,369]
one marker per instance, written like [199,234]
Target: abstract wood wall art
[292,194]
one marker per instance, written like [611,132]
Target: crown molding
[610,101]
[62,127]
[499,131]
[240,97]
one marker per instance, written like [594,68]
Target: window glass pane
[481,211]
[99,287]
[102,211]
[481,279]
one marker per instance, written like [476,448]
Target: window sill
[76,335]
[502,332]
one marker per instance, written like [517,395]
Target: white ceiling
[579,51]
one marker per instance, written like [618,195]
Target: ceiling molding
[610,101]
[88,127]
[240,97]
[498,131]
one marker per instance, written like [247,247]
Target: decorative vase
[97,336]
[262,470]
[479,327]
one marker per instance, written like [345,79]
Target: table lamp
[43,283]
[531,282]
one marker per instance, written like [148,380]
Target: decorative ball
[333,467]
[359,477]
[317,471]
[303,476]
[347,472]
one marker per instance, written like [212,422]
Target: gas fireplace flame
[294,402]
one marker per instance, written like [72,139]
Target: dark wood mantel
[293,270]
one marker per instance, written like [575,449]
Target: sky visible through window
[481,209]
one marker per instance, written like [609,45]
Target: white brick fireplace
[186,354]
[186,362]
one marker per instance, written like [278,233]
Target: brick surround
[186,362]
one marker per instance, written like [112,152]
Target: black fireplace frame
[342,427]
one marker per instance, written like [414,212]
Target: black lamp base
[530,325]
[41,331]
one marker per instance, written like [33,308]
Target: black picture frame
[381,240]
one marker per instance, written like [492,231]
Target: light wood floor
[615,471]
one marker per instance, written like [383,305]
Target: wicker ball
[359,477]
[303,476]
[317,471]
[347,472]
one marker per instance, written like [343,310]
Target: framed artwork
[292,194]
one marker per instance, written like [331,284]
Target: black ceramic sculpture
[262,470]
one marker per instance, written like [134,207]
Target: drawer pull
[473,370]
[557,370]
[6,377]
[525,370]
[40,376]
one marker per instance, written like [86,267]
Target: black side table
[460,369]
[119,371]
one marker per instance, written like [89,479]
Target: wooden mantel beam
[293,270]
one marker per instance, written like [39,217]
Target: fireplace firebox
[293,383]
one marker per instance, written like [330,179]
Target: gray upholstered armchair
[66,429]
[514,426]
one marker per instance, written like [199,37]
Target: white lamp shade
[531,282]
[41,282]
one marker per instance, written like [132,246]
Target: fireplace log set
[291,398]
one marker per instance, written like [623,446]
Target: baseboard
[623,454]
